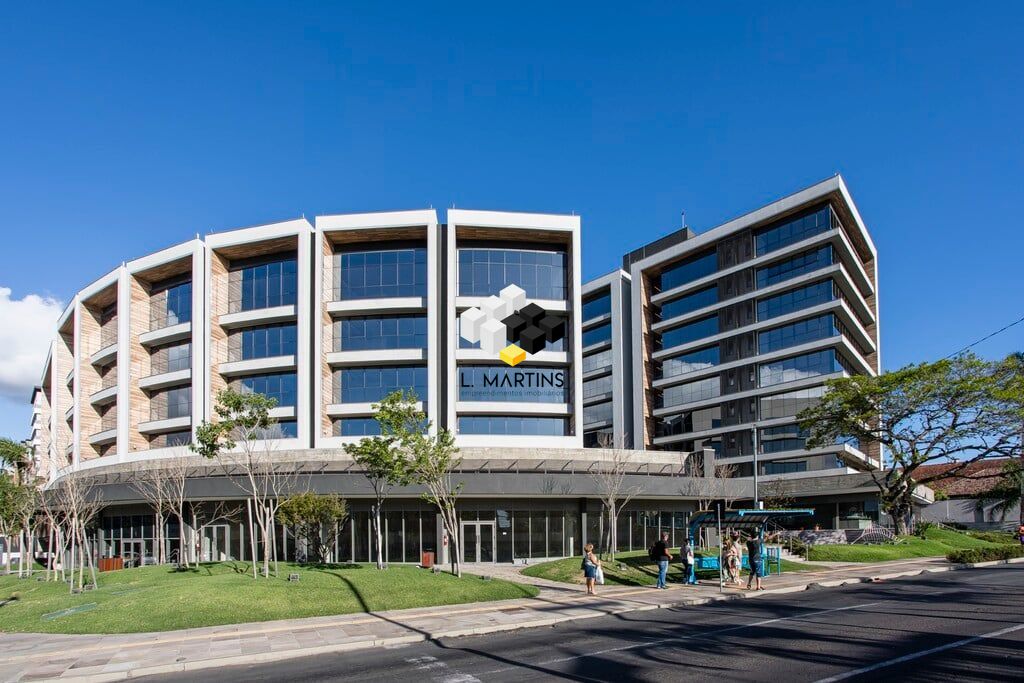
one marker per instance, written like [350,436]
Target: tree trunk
[613,531]
[50,546]
[377,537]
[252,535]
[7,556]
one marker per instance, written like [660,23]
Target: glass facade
[369,385]
[513,425]
[171,403]
[365,333]
[784,467]
[691,332]
[800,264]
[171,439]
[795,300]
[688,362]
[689,270]
[702,298]
[692,421]
[681,394]
[801,367]
[782,438]
[800,332]
[506,384]
[595,308]
[267,341]
[356,426]
[170,304]
[380,274]
[597,386]
[286,429]
[597,361]
[790,403]
[792,230]
[266,284]
[279,386]
[599,412]
[171,358]
[596,335]
[542,274]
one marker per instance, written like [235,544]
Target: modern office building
[542,380]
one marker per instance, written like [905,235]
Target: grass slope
[638,570]
[161,599]
[936,543]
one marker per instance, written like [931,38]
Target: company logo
[511,328]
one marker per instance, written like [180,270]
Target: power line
[987,337]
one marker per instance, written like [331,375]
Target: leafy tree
[435,459]
[1005,494]
[959,410]
[384,459]
[315,520]
[14,456]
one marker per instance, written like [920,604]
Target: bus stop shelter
[751,521]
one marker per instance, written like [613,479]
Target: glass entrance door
[215,543]
[131,552]
[478,541]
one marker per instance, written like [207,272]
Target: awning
[754,520]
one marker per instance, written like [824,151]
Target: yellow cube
[512,355]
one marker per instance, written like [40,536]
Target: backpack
[652,554]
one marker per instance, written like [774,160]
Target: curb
[265,657]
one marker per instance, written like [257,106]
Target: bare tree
[78,502]
[153,484]
[730,491]
[206,515]
[610,479]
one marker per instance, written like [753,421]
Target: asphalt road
[963,625]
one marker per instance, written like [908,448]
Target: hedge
[972,555]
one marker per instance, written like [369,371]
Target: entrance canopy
[751,520]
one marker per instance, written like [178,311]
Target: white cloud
[26,328]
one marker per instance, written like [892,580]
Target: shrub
[972,555]
[922,528]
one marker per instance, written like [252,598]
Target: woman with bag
[591,567]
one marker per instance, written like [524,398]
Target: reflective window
[369,385]
[363,333]
[267,341]
[599,412]
[691,332]
[515,385]
[279,386]
[801,367]
[798,265]
[266,285]
[800,332]
[689,362]
[596,335]
[689,303]
[596,387]
[171,439]
[795,300]
[693,421]
[513,425]
[171,403]
[599,438]
[595,308]
[689,270]
[380,274]
[784,467]
[597,361]
[782,438]
[790,403]
[285,429]
[356,426]
[170,304]
[688,393]
[540,273]
[171,358]
[792,230]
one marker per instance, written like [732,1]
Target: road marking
[695,636]
[922,653]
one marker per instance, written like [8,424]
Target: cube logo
[509,327]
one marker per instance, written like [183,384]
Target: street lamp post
[753,439]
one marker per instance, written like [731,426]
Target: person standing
[734,558]
[754,552]
[686,557]
[590,565]
[661,555]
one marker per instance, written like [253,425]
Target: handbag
[599,577]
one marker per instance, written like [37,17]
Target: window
[595,308]
[596,387]
[597,361]
[689,362]
[800,332]
[596,335]
[599,412]
[693,421]
[541,273]
[689,303]
[691,332]
[559,345]
[364,333]
[380,274]
[792,230]
[513,425]
[170,303]
[599,438]
[171,359]
[264,285]
[790,403]
[171,439]
[689,270]
[798,265]
[795,300]
[356,426]
[266,341]
[369,385]
[278,386]
[502,383]
[285,429]
[782,438]
[693,391]
[801,367]
[784,467]
[171,403]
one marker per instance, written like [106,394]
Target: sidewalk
[35,657]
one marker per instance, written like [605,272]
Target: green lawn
[162,599]
[936,543]
[639,570]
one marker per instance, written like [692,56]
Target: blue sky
[130,127]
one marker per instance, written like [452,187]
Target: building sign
[501,384]
[509,328]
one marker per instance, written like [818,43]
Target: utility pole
[753,440]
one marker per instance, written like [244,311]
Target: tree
[14,456]
[77,503]
[959,410]
[435,459]
[730,492]
[244,423]
[610,480]
[315,521]
[384,458]
[1005,493]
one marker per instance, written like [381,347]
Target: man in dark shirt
[754,555]
[662,556]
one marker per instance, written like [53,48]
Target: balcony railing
[160,364]
[162,413]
